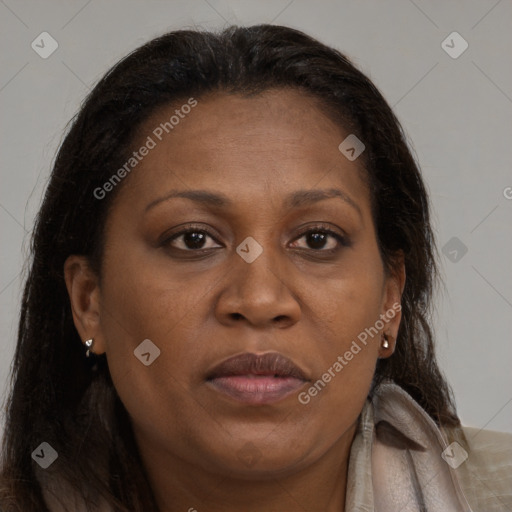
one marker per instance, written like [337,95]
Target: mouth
[257,379]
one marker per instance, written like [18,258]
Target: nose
[258,294]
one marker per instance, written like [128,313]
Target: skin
[201,309]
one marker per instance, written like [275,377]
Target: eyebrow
[294,200]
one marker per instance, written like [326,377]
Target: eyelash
[342,240]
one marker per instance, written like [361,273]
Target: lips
[256,379]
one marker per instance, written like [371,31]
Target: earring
[88,344]
[385,342]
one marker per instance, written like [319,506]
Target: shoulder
[485,470]
[462,468]
[490,445]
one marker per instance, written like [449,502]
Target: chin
[251,462]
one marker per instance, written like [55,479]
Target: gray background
[456,113]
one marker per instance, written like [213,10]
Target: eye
[190,239]
[320,238]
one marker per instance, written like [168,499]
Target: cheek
[344,364]
[350,305]
[138,305]
[349,310]
[144,299]
[347,348]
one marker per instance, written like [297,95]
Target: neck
[179,486]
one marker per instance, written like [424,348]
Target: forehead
[277,141]
[234,121]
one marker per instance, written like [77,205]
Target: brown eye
[323,240]
[317,240]
[190,239]
[194,239]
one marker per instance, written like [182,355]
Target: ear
[84,294]
[391,313]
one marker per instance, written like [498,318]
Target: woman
[228,304]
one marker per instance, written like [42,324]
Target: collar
[395,460]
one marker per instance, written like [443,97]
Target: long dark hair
[58,396]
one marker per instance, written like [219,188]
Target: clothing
[396,463]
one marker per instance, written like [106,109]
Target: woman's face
[246,279]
